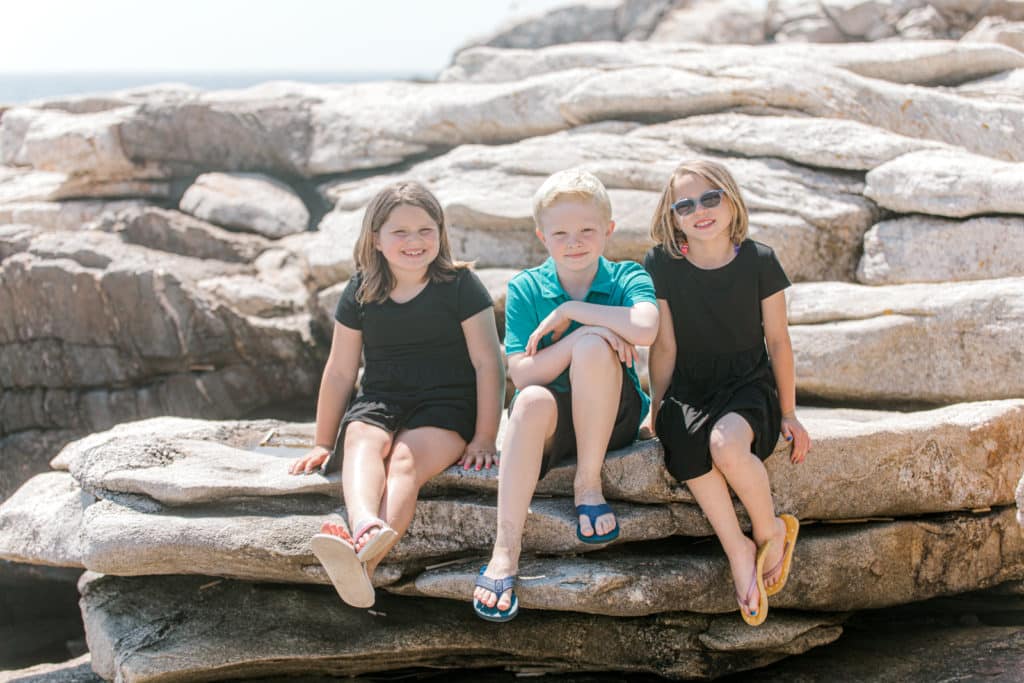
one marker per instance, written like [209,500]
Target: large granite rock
[67,215]
[949,183]
[248,202]
[925,249]
[923,62]
[918,343]
[98,331]
[835,568]
[141,629]
[815,220]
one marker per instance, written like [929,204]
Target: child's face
[575,232]
[409,239]
[704,224]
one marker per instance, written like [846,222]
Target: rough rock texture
[924,249]
[814,219]
[903,343]
[97,330]
[948,183]
[78,670]
[246,201]
[141,629]
[835,568]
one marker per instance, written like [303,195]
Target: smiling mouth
[420,252]
[704,224]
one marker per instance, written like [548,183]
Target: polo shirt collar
[551,288]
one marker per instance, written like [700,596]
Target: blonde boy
[572,327]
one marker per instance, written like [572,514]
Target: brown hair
[664,230]
[378,280]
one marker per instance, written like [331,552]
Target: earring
[684,248]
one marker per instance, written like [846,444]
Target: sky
[379,36]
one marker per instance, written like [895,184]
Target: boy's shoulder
[533,279]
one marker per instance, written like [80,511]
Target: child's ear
[611,228]
[540,235]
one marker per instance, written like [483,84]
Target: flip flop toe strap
[496,586]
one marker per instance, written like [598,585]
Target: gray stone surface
[949,183]
[923,343]
[141,629]
[249,202]
[77,670]
[925,249]
[41,523]
[835,568]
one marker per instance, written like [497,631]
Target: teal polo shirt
[534,293]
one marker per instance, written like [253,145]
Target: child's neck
[710,255]
[577,283]
[407,282]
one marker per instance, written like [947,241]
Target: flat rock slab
[835,568]
[918,249]
[814,219]
[249,202]
[948,183]
[958,457]
[143,629]
[41,523]
[915,343]
[923,62]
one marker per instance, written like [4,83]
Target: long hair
[378,281]
[664,229]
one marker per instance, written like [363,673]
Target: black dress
[417,370]
[722,363]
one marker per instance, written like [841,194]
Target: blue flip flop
[593,512]
[496,586]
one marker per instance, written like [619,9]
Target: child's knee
[533,403]
[592,352]
[726,447]
[401,462]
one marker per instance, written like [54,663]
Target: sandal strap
[594,511]
[496,586]
[367,524]
[782,561]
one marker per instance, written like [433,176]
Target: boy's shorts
[454,413]
[563,441]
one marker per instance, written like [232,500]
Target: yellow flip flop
[758,580]
[792,531]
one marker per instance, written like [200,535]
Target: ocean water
[22,88]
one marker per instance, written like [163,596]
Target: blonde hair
[664,230]
[378,281]
[573,183]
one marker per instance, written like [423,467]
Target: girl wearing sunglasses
[721,369]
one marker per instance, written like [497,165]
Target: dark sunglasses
[709,200]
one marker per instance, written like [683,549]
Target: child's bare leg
[362,470]
[712,494]
[417,456]
[596,377]
[532,423]
[730,449]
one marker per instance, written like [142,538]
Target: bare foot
[605,523]
[499,566]
[773,560]
[742,565]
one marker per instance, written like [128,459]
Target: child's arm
[485,354]
[544,366]
[637,324]
[662,360]
[780,350]
[336,386]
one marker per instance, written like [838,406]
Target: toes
[585,528]
[506,600]
[605,523]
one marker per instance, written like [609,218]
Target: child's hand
[798,436]
[479,453]
[626,352]
[557,322]
[310,461]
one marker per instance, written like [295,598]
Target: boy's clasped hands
[558,321]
